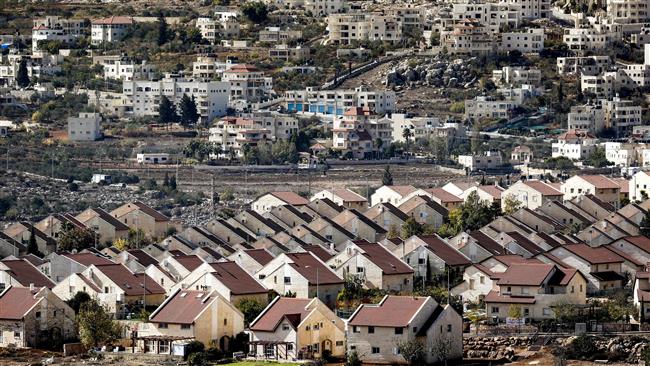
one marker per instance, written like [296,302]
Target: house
[85,127]
[429,255]
[162,277]
[10,246]
[639,186]
[601,267]
[204,238]
[139,216]
[330,230]
[111,29]
[181,265]
[230,281]
[477,246]
[600,186]
[386,215]
[251,260]
[477,283]
[641,295]
[324,207]
[532,193]
[458,188]
[375,331]
[343,197]
[360,226]
[53,224]
[500,263]
[425,211]
[114,285]
[34,317]
[22,231]
[107,227]
[293,328]
[391,194]
[444,198]
[204,316]
[637,247]
[489,193]
[303,274]
[137,260]
[375,265]
[267,201]
[64,264]
[21,273]
[288,216]
[536,288]
[255,223]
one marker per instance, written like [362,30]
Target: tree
[411,227]
[96,326]
[644,226]
[392,232]
[514,311]
[511,204]
[406,133]
[251,308]
[189,113]
[598,158]
[32,247]
[166,111]
[387,178]
[137,239]
[76,301]
[163,31]
[75,238]
[475,318]
[442,348]
[22,77]
[353,359]
[256,12]
[413,351]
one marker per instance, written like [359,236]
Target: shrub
[197,359]
[194,347]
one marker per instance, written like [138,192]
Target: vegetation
[75,238]
[472,215]
[96,326]
[413,351]
[251,308]
[256,11]
[387,178]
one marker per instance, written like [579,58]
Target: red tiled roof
[543,188]
[511,259]
[306,264]
[151,212]
[359,111]
[15,302]
[392,311]
[132,284]
[384,259]
[494,296]
[117,224]
[242,68]
[639,241]
[261,256]
[290,198]
[487,243]
[492,190]
[593,255]
[348,195]
[88,259]
[183,307]
[402,190]
[291,308]
[143,257]
[600,181]
[623,183]
[444,251]
[236,279]
[526,274]
[318,251]
[443,195]
[25,273]
[190,262]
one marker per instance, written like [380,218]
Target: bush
[197,359]
[582,348]
[194,347]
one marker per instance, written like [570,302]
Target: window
[399,330]
[526,312]
[482,279]
[285,326]
[355,329]
[38,315]
[163,325]
[315,347]
[185,326]
[287,280]
[371,329]
[495,310]
[421,260]
[546,311]
[375,350]
[225,321]
[340,343]
[471,283]
[290,347]
[352,348]
[17,335]
[449,328]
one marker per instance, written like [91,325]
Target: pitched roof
[628,257]
[293,309]
[144,208]
[384,259]
[190,262]
[21,247]
[266,221]
[15,302]
[600,181]
[543,188]
[183,307]
[88,259]
[402,190]
[526,274]
[318,251]
[593,255]
[487,243]
[444,251]
[358,111]
[132,284]
[377,209]
[392,311]
[290,198]
[242,68]
[525,243]
[333,205]
[422,332]
[511,259]
[338,227]
[640,241]
[623,183]
[492,190]
[25,273]
[307,263]
[496,297]
[236,279]
[261,256]
[443,195]
[347,195]
[143,257]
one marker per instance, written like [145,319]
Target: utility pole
[212,192]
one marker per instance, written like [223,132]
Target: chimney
[31,287]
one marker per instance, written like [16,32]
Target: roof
[347,195]
[293,309]
[307,263]
[88,259]
[402,190]
[496,297]
[593,255]
[15,302]
[600,181]
[12,241]
[359,111]
[183,307]
[384,259]
[25,273]
[126,208]
[132,284]
[607,276]
[318,251]
[333,205]
[189,262]
[525,243]
[526,274]
[492,190]
[487,243]
[143,257]
[392,311]
[261,256]
[290,198]
[623,183]
[114,20]
[377,228]
[236,279]
[510,259]
[242,68]
[422,332]
[628,257]
[543,188]
[444,251]
[443,195]
[34,260]
[639,241]
[377,209]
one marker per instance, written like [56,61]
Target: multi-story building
[53,28]
[467,36]
[496,17]
[517,76]
[425,128]
[85,127]
[489,160]
[209,67]
[143,97]
[533,9]
[111,29]
[247,83]
[621,154]
[338,101]
[278,35]
[487,107]
[628,11]
[38,64]
[602,85]
[218,28]
[355,133]
[527,41]
[622,115]
[128,70]
[286,53]
[589,117]
[574,144]
[347,28]
[587,37]
[589,65]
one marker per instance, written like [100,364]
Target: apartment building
[54,28]
[489,160]
[111,29]
[278,35]
[233,133]
[467,36]
[286,53]
[425,127]
[482,107]
[589,117]
[603,85]
[356,132]
[517,76]
[496,17]
[530,40]
[143,97]
[85,127]
[590,65]
[574,144]
[628,11]
[533,9]
[247,83]
[344,29]
[213,29]
[589,38]
[621,154]
[210,67]
[337,101]
[128,70]
[622,115]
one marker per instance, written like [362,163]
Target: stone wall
[494,347]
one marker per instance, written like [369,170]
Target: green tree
[256,11]
[22,77]
[353,359]
[96,326]
[644,226]
[387,178]
[475,318]
[75,238]
[598,158]
[166,111]
[406,134]
[515,312]
[163,31]
[442,348]
[511,204]
[411,227]
[76,301]
[32,247]
[136,239]
[189,113]
[251,308]
[413,351]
